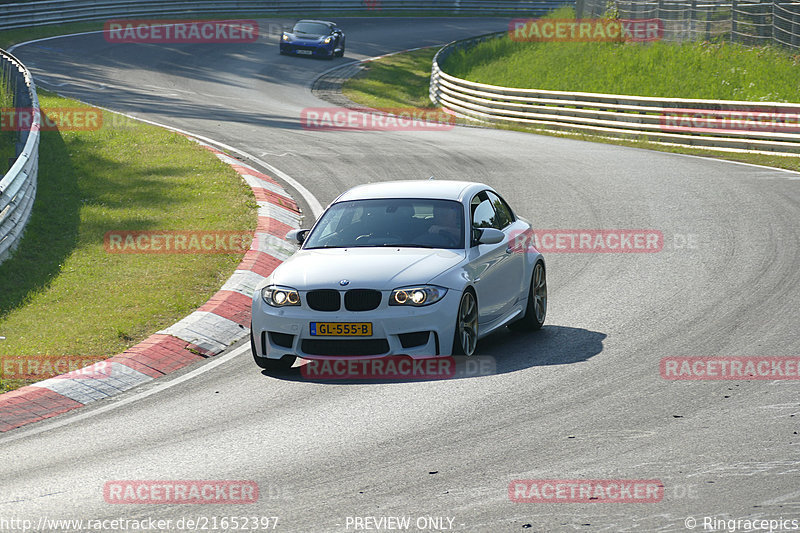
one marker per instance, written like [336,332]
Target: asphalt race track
[581,399]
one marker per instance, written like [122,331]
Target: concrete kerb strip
[222,321]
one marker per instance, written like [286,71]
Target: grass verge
[61,293]
[400,80]
[716,71]
[7,138]
[374,87]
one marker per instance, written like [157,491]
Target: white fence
[18,186]
[720,124]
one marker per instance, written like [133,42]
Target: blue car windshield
[311,28]
[396,222]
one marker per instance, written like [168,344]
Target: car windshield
[311,28]
[400,222]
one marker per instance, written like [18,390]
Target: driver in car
[446,223]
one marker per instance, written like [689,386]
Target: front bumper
[287,331]
[307,50]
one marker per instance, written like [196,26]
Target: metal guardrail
[18,186]
[28,14]
[721,124]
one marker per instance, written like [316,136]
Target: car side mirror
[491,236]
[297,235]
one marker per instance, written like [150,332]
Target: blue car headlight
[417,296]
[277,296]
[285,37]
[328,40]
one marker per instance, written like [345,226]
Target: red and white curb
[220,322]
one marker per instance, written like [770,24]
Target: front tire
[270,365]
[465,338]
[536,309]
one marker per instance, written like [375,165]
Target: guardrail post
[21,100]
[433,93]
[774,25]
[734,28]
[795,40]
[579,4]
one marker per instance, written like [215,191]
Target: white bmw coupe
[418,268]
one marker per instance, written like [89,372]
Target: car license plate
[342,329]
[305,52]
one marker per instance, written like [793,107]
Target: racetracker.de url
[186,523]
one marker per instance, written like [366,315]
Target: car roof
[444,190]
[317,21]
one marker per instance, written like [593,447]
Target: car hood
[309,39]
[374,268]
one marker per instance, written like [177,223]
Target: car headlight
[278,296]
[417,296]
[285,37]
[328,40]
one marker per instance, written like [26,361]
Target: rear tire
[270,365]
[536,309]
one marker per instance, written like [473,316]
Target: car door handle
[509,250]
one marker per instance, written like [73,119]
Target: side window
[504,214]
[482,211]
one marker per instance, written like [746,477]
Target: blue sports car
[317,38]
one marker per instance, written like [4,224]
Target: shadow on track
[507,352]
[52,231]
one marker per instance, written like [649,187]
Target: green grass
[61,293]
[401,80]
[7,138]
[368,91]
[717,71]
[9,37]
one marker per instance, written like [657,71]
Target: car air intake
[284,340]
[345,347]
[324,300]
[362,299]
[412,340]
